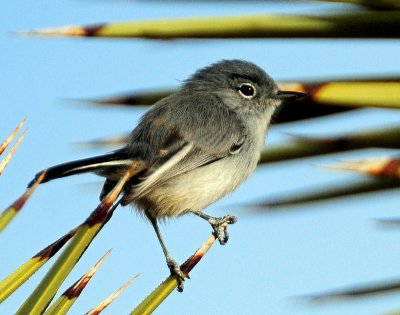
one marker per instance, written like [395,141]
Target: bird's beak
[288,95]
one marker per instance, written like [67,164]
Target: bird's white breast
[198,188]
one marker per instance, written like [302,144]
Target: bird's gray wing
[188,131]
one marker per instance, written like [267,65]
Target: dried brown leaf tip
[53,248]
[10,154]
[76,289]
[105,209]
[295,87]
[112,196]
[99,308]
[5,144]
[192,261]
[20,202]
[69,30]
[380,166]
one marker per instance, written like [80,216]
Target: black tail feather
[97,163]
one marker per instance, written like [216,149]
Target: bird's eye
[247,90]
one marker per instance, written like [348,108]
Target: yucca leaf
[372,4]
[358,291]
[105,142]
[9,213]
[381,166]
[5,144]
[319,193]
[358,24]
[154,299]
[302,147]
[68,298]
[24,272]
[302,109]
[392,222]
[393,313]
[99,308]
[139,98]
[85,233]
[45,291]
[10,154]
[357,94]
[323,97]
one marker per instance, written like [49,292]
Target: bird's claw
[220,227]
[175,269]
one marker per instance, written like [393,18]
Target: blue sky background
[271,257]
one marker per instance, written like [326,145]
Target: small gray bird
[197,145]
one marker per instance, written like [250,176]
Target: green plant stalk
[40,298]
[105,303]
[5,144]
[358,291]
[154,299]
[159,294]
[8,214]
[138,98]
[356,94]
[10,154]
[356,24]
[6,217]
[380,93]
[61,306]
[306,147]
[68,298]
[47,288]
[24,272]
[319,194]
[18,277]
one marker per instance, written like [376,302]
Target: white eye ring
[247,90]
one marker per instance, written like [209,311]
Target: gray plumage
[200,126]
[198,144]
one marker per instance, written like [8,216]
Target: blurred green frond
[5,144]
[8,214]
[359,291]
[326,192]
[302,147]
[371,4]
[360,24]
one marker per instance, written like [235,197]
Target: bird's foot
[220,227]
[175,269]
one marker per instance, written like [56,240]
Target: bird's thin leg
[173,266]
[219,225]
